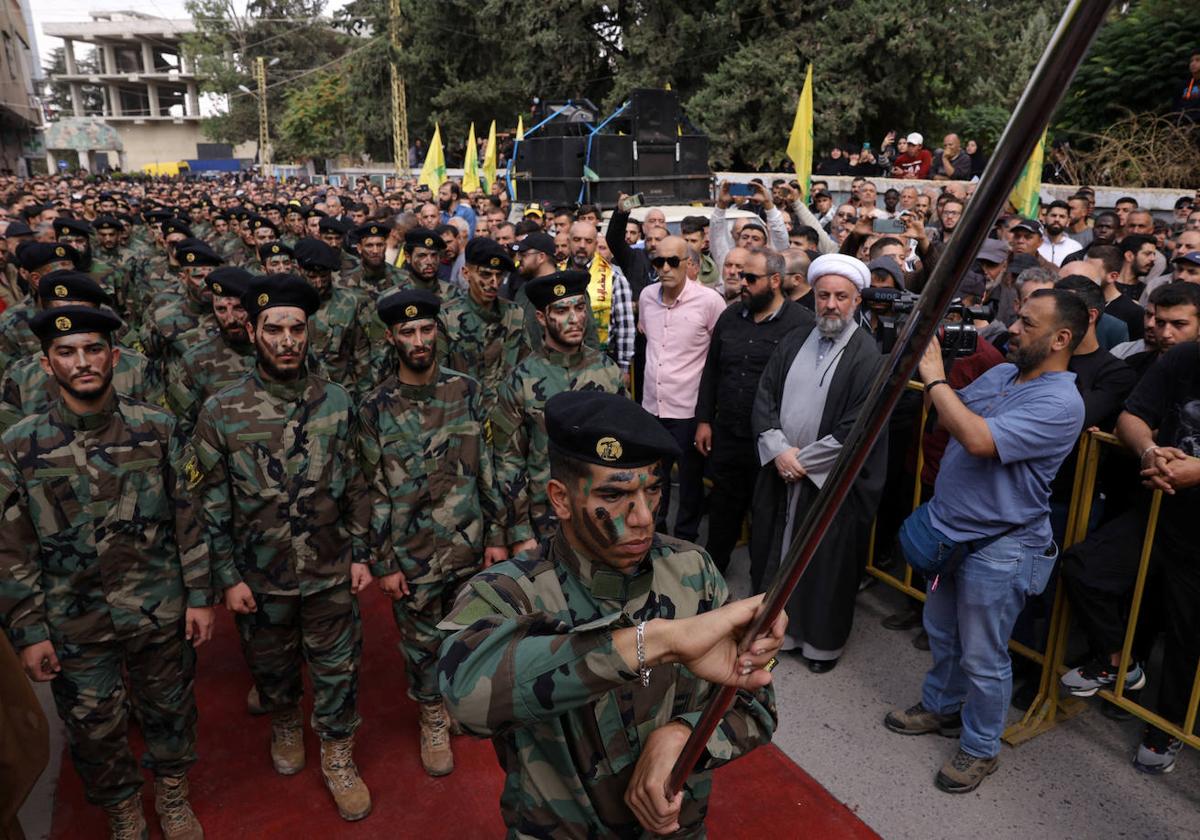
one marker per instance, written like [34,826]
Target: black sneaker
[917,720]
[1097,674]
[1156,755]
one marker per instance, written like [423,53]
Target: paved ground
[1073,782]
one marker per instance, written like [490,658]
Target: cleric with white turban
[854,270]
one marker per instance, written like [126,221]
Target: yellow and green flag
[800,143]
[433,172]
[470,181]
[1027,194]
[489,157]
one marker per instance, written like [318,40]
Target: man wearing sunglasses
[677,316]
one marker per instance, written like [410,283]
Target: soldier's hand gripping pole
[1050,80]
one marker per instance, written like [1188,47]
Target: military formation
[270,402]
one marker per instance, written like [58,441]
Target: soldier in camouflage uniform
[110,251]
[340,333]
[293,219]
[274,258]
[518,424]
[434,509]
[13,288]
[77,234]
[37,259]
[277,481]
[218,362]
[333,233]
[104,574]
[160,271]
[373,275]
[588,660]
[535,258]
[422,256]
[232,246]
[182,317]
[485,336]
[28,388]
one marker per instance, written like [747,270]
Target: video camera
[958,338]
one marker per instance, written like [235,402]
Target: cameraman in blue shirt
[1010,429]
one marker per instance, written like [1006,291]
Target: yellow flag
[489,157]
[1027,194]
[470,181]
[520,127]
[433,172]
[800,143]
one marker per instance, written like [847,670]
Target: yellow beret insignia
[263,298]
[217,288]
[191,257]
[560,290]
[410,311]
[60,291]
[495,261]
[428,242]
[60,251]
[62,323]
[609,448]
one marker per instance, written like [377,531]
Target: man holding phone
[720,241]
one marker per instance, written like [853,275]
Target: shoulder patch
[192,473]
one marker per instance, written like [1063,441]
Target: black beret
[157,215]
[294,206]
[328,224]
[70,285]
[18,228]
[420,237]
[488,253]
[68,320]
[313,254]
[257,222]
[543,291]
[313,212]
[176,226]
[107,223]
[606,429]
[274,249]
[408,305]
[76,226]
[539,241]
[269,291]
[372,229]
[194,252]
[229,281]
[34,255]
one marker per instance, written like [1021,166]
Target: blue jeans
[969,619]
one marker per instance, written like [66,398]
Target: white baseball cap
[915,138]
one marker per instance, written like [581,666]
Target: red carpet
[236,793]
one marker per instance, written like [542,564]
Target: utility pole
[399,105]
[264,143]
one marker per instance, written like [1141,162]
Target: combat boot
[175,815]
[435,740]
[287,742]
[341,777]
[126,820]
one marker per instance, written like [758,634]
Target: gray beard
[831,327]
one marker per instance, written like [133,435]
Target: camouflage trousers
[417,618]
[322,629]
[93,702]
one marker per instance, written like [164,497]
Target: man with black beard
[742,341]
[422,256]
[77,233]
[1057,245]
[535,258]
[809,397]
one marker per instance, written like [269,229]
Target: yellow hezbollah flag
[800,143]
[520,127]
[1027,194]
[470,181]
[489,157]
[433,172]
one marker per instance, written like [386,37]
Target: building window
[9,59]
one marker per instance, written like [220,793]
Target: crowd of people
[272,396]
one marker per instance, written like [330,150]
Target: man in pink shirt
[677,316]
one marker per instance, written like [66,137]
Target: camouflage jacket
[483,343]
[277,483]
[16,338]
[532,665]
[441,288]
[338,339]
[13,289]
[27,389]
[433,498]
[374,283]
[96,543]
[204,369]
[233,249]
[111,278]
[177,322]
[519,430]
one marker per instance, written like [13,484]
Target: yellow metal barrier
[1049,707]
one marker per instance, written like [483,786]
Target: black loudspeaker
[655,115]
[694,180]
[549,169]
[612,158]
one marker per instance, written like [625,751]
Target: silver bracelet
[643,671]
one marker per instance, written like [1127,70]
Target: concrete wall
[157,142]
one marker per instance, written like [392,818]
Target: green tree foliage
[226,44]
[1138,63]
[316,120]
[58,94]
